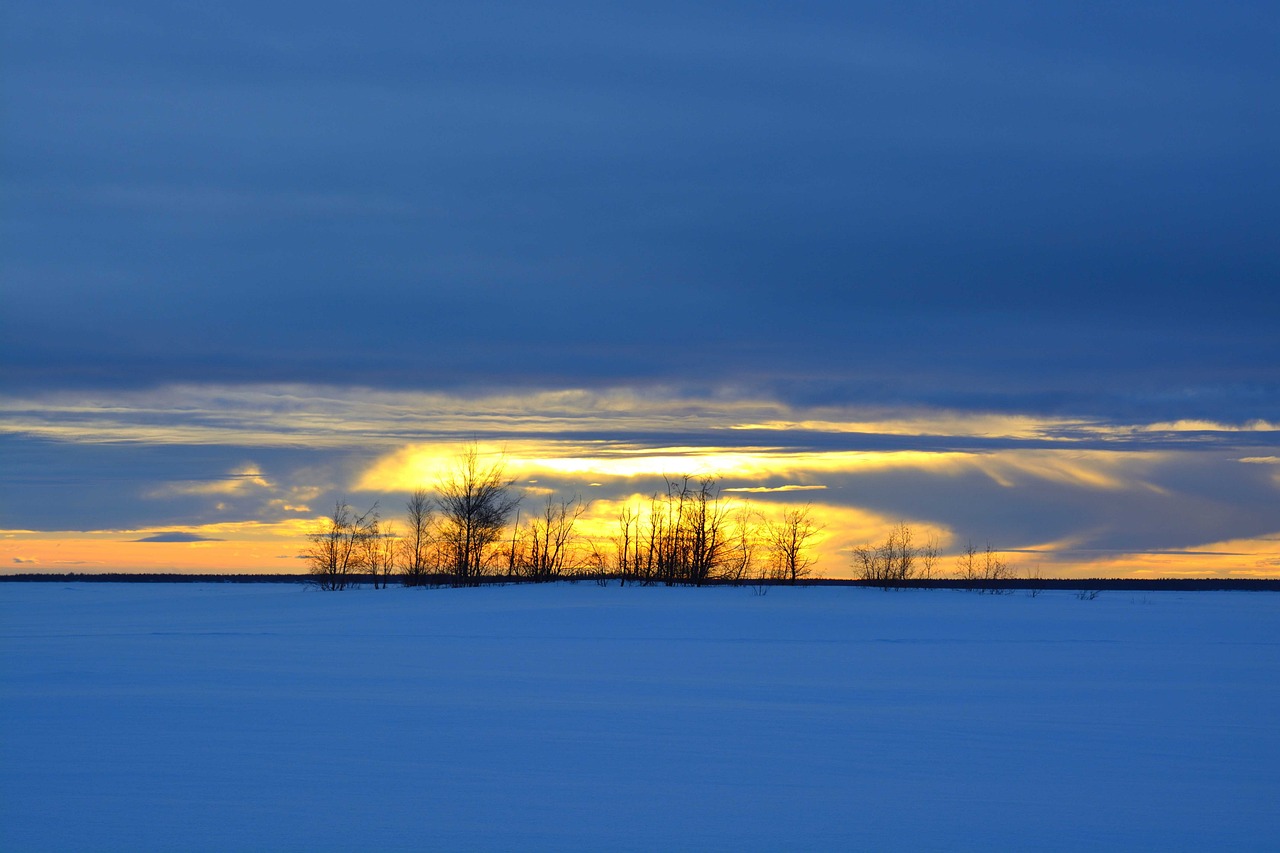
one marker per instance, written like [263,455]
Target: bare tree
[707,543]
[688,540]
[743,559]
[686,534]
[475,502]
[985,569]
[379,548]
[790,538]
[626,544]
[929,555]
[894,560]
[334,553]
[654,543]
[1035,583]
[641,540]
[596,563]
[417,545]
[545,548]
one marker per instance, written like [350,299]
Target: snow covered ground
[276,717]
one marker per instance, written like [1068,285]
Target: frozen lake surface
[275,717]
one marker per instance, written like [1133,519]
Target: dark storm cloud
[1007,208]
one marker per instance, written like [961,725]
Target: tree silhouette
[896,559]
[789,538]
[475,502]
[546,547]
[335,553]
[985,569]
[418,543]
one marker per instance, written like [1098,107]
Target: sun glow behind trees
[1071,496]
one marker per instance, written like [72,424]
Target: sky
[1005,272]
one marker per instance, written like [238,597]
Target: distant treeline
[1017,584]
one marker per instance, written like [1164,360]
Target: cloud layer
[1075,492]
[1008,271]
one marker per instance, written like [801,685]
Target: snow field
[573,717]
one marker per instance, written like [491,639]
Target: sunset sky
[1007,272]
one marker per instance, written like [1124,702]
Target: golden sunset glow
[862,471]
[419,466]
[1244,558]
[235,547]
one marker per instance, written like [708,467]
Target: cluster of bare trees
[683,536]
[547,546]
[455,534]
[451,535]
[687,534]
[351,547]
[899,558]
[985,569]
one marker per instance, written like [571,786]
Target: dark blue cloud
[70,485]
[1052,208]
